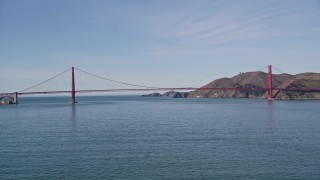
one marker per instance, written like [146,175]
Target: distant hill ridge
[259,79]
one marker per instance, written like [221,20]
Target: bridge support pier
[15,98]
[73,89]
[270,94]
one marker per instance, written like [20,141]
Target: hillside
[260,80]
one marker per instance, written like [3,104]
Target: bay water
[132,137]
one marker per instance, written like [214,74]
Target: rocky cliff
[172,94]
[176,94]
[152,95]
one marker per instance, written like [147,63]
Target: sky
[161,43]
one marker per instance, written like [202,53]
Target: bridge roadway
[167,89]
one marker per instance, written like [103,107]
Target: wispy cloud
[226,21]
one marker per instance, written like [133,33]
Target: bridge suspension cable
[278,70]
[273,68]
[262,68]
[119,82]
[43,82]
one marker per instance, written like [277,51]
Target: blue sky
[164,43]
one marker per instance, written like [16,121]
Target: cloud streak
[227,21]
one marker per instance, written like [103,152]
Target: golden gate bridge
[61,83]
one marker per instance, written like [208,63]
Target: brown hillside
[260,80]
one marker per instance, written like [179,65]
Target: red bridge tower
[270,82]
[73,88]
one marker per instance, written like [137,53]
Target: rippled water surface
[129,137]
